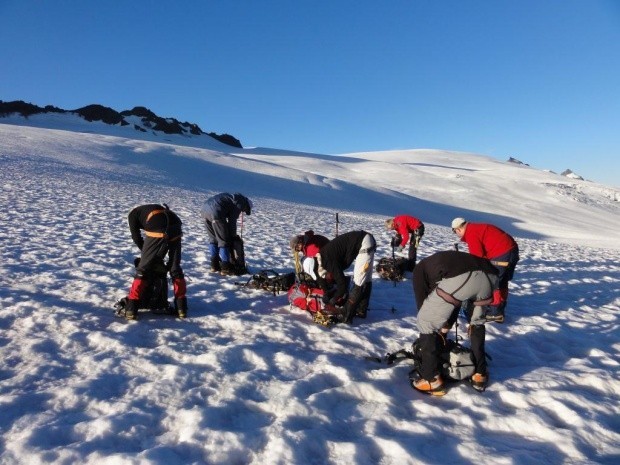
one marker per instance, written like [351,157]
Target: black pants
[155,249]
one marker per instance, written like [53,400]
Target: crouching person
[441,283]
[334,258]
[162,231]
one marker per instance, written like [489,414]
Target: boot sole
[440,391]
[435,392]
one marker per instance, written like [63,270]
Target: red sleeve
[400,225]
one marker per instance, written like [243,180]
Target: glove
[400,248]
[396,240]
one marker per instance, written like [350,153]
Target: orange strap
[161,235]
[154,212]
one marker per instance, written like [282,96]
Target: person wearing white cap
[497,246]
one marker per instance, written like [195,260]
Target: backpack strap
[398,356]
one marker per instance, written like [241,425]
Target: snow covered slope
[247,380]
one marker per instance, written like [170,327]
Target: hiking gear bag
[392,269]
[305,297]
[456,362]
[271,281]
[154,296]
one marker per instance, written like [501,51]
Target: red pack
[302,296]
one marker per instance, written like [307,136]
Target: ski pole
[337,222]
[393,263]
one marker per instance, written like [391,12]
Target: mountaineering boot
[131,309]
[498,306]
[337,314]
[362,307]
[180,305]
[428,380]
[434,387]
[215,264]
[240,268]
[180,302]
[226,269]
[479,381]
[477,337]
[495,317]
[352,303]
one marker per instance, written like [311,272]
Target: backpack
[271,281]
[309,297]
[237,257]
[456,362]
[305,297]
[392,269]
[154,296]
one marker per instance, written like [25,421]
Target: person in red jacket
[490,242]
[406,227]
[305,247]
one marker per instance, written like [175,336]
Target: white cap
[308,267]
[458,222]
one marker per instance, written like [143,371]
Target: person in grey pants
[441,283]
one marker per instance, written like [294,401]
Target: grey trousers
[435,311]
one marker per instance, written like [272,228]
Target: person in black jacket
[162,230]
[334,258]
[441,283]
[220,214]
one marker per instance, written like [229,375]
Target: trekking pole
[393,263]
[337,222]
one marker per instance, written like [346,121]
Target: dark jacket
[338,255]
[152,218]
[226,206]
[442,265]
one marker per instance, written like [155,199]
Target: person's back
[442,265]
[220,213]
[487,241]
[491,242]
[339,253]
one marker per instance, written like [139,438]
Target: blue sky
[536,80]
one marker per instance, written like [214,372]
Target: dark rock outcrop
[107,115]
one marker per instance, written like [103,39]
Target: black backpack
[237,257]
[271,281]
[155,293]
[392,269]
[456,362]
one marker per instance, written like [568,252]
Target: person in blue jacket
[220,214]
